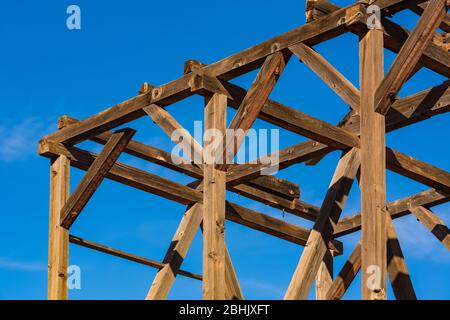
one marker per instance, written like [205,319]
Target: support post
[373,169]
[58,248]
[214,251]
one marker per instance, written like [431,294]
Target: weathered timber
[214,186]
[433,223]
[373,167]
[58,244]
[94,176]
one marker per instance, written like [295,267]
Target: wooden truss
[375,109]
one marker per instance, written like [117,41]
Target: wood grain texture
[324,277]
[214,185]
[373,169]
[58,246]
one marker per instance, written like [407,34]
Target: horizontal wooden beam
[94,176]
[170,190]
[417,170]
[127,256]
[396,209]
[225,69]
[419,107]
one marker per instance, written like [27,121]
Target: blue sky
[48,71]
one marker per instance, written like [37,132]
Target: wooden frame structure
[375,109]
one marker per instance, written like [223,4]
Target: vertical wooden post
[58,249]
[214,202]
[324,277]
[373,169]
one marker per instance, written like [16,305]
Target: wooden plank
[433,223]
[214,185]
[94,176]
[346,275]
[322,231]
[396,209]
[409,55]
[176,253]
[373,169]
[225,69]
[418,170]
[251,105]
[324,277]
[396,266]
[169,125]
[127,256]
[329,74]
[58,241]
[170,190]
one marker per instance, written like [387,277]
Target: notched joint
[206,85]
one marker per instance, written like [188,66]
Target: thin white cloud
[275,291]
[22,265]
[19,140]
[418,242]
